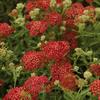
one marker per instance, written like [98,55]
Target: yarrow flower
[68,82]
[33,59]
[95,69]
[65,75]
[71,37]
[34,85]
[37,27]
[95,88]
[44,4]
[54,18]
[56,50]
[89,1]
[17,93]
[30,5]
[5,30]
[58,70]
[75,10]
[90,11]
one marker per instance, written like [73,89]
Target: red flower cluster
[65,75]
[30,5]
[56,50]
[68,81]
[34,85]
[37,27]
[5,30]
[54,18]
[44,4]
[71,38]
[75,10]
[95,88]
[91,10]
[17,93]
[89,1]
[33,59]
[30,90]
[95,69]
[58,70]
[59,1]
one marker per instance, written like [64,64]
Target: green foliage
[5,8]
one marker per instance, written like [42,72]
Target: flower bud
[39,44]
[11,65]
[2,52]
[81,83]
[33,74]
[67,3]
[89,53]
[79,51]
[20,6]
[34,13]
[56,82]
[20,21]
[62,28]
[95,59]
[76,68]
[84,18]
[87,74]
[42,37]
[14,13]
[3,68]
[53,3]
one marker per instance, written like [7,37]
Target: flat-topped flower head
[95,69]
[68,82]
[89,1]
[33,59]
[5,30]
[44,4]
[35,84]
[95,88]
[58,70]
[17,93]
[71,13]
[54,18]
[56,50]
[37,27]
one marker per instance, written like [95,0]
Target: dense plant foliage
[51,51]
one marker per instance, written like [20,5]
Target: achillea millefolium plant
[51,51]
